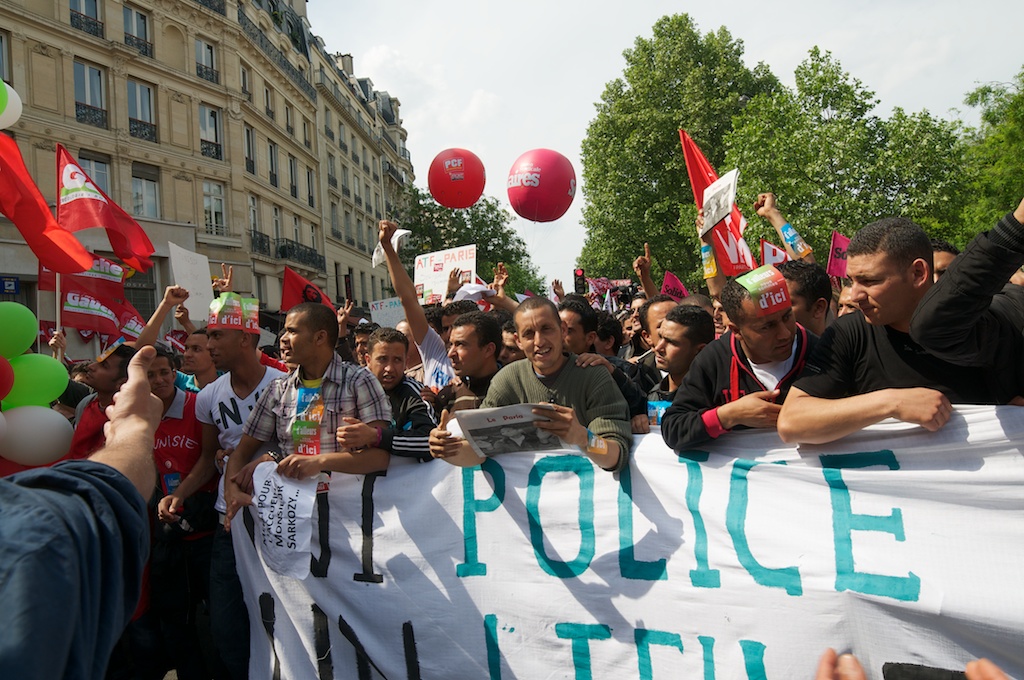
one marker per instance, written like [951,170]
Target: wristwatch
[275,456]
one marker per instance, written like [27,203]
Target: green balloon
[38,381]
[18,328]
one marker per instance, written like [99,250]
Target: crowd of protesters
[915,328]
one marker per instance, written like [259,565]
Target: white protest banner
[285,510]
[191,271]
[388,313]
[431,272]
[742,560]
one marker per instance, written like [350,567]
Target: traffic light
[580,281]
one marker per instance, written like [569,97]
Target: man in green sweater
[589,414]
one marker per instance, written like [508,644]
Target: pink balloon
[456,178]
[541,185]
[6,377]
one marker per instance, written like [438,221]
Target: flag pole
[57,310]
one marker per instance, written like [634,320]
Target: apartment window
[85,16]
[213,208]
[136,31]
[344,176]
[359,233]
[145,190]
[210,132]
[288,123]
[311,187]
[275,220]
[293,175]
[5,60]
[306,139]
[268,102]
[362,287]
[90,99]
[350,282]
[297,228]
[312,234]
[335,231]
[272,163]
[140,291]
[243,77]
[206,61]
[254,213]
[348,227]
[261,287]
[141,123]
[97,166]
[249,144]
[330,165]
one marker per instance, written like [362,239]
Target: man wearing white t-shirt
[222,407]
[742,378]
[437,367]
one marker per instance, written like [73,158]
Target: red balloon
[456,178]
[541,185]
[6,377]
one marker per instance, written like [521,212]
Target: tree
[486,224]
[635,187]
[835,165]
[997,152]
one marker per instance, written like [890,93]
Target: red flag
[731,251]
[837,255]
[104,279]
[22,204]
[297,290]
[177,339]
[83,311]
[129,320]
[772,254]
[83,205]
[673,287]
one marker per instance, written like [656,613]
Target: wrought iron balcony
[329,132]
[308,143]
[343,146]
[84,22]
[396,175]
[142,129]
[355,156]
[290,129]
[332,180]
[208,73]
[250,166]
[336,233]
[359,201]
[349,240]
[376,213]
[90,115]
[256,35]
[217,6]
[247,95]
[135,42]
[216,229]
[295,191]
[260,243]
[211,149]
[270,113]
[366,168]
[345,191]
[311,201]
[287,249]
[273,179]
[376,177]
[404,153]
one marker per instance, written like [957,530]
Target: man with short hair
[361,340]
[475,339]
[862,373]
[412,419]
[197,369]
[509,349]
[650,316]
[846,303]
[580,321]
[589,413]
[686,330]
[810,291]
[740,379]
[452,311]
[105,376]
[943,254]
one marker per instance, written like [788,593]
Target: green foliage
[835,165]
[997,151]
[635,187]
[486,224]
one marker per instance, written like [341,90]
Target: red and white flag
[83,205]
[105,279]
[772,254]
[21,202]
[130,320]
[85,312]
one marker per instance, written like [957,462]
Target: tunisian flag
[21,202]
[731,251]
[297,290]
[83,205]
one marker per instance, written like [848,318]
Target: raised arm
[501,298]
[766,207]
[717,280]
[642,267]
[173,296]
[403,285]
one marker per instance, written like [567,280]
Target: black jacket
[972,317]
[720,374]
[411,422]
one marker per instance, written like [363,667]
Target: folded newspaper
[507,429]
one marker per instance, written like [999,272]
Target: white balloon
[12,112]
[36,435]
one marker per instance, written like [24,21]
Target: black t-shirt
[854,357]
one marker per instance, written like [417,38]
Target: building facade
[225,127]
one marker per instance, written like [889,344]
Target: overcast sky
[502,78]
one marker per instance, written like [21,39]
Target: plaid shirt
[349,391]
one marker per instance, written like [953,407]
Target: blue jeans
[229,619]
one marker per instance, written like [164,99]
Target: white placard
[747,558]
[432,270]
[191,271]
[388,313]
[719,198]
[284,507]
